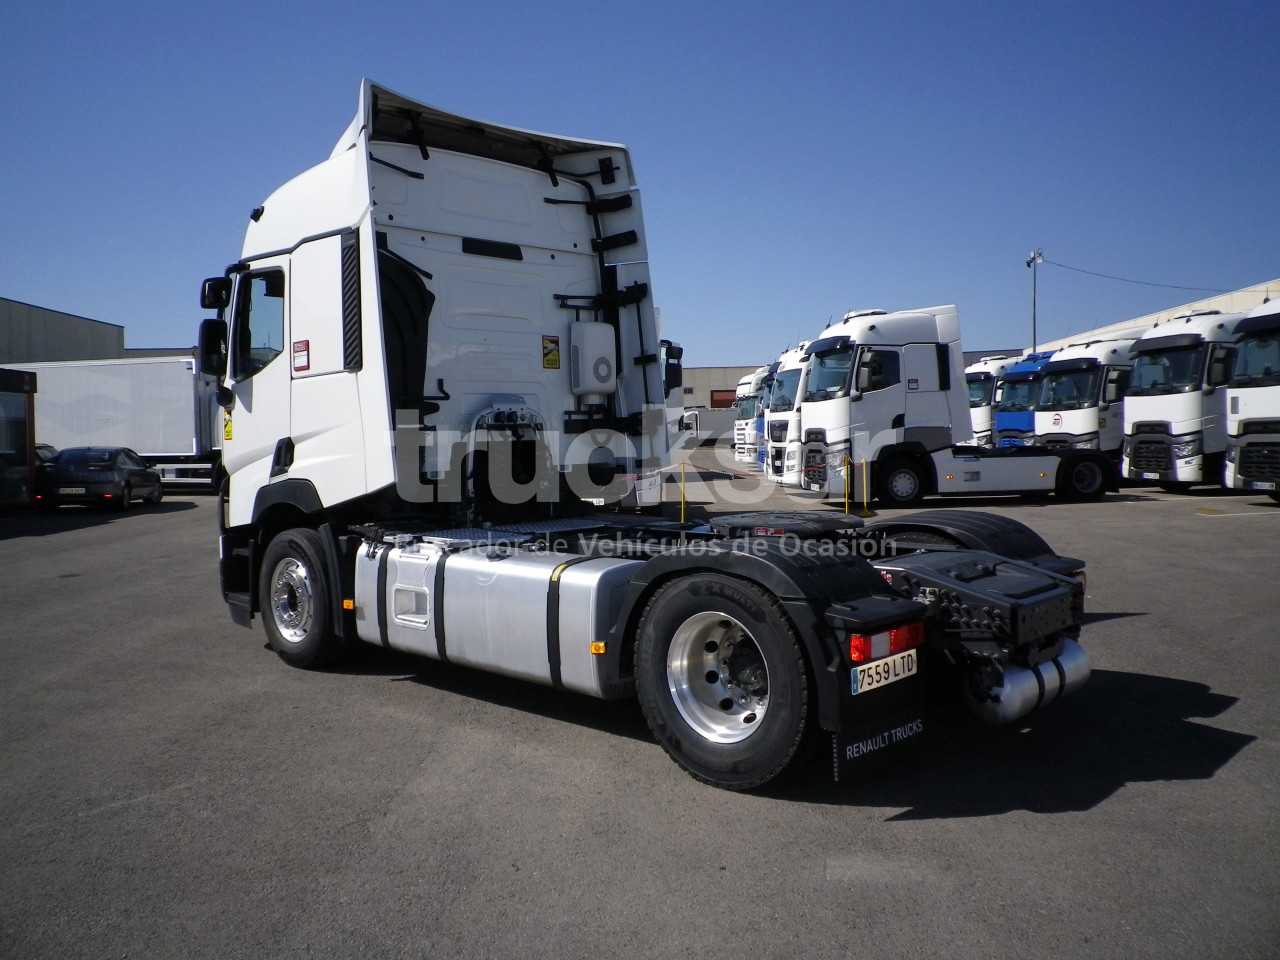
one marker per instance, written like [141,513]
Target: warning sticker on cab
[551,353]
[226,429]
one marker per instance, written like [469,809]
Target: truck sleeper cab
[1175,430]
[981,380]
[1081,401]
[1016,394]
[782,417]
[885,393]
[491,295]
[1252,456]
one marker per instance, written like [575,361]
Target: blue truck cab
[1014,422]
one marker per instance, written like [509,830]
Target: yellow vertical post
[682,491]
[846,486]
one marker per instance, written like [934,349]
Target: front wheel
[721,680]
[902,483]
[295,600]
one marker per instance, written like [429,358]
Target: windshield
[828,376]
[746,407]
[980,387]
[1167,371]
[783,397]
[1018,395]
[1073,390]
[1257,361]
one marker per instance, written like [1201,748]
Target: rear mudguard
[977,530]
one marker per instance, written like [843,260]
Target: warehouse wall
[699,382]
[1237,301]
[31,334]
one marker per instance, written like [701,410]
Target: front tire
[902,483]
[721,680]
[295,600]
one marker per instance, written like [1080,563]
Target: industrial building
[34,334]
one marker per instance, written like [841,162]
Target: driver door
[258,377]
[878,401]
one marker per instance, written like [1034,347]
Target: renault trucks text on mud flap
[1175,414]
[438,355]
[1252,458]
[893,418]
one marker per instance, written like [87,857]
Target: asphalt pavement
[168,787]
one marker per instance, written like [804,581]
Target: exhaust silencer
[1023,690]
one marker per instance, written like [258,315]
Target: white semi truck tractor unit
[746,439]
[893,417]
[440,364]
[782,418]
[981,380]
[1175,413]
[1081,403]
[1253,404]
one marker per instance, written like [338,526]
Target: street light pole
[1036,258]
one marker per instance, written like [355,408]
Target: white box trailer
[163,408]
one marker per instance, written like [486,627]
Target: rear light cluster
[872,646]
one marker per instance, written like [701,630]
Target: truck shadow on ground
[617,717]
[1121,728]
[65,519]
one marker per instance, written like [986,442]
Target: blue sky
[797,160]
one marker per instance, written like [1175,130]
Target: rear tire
[295,600]
[125,497]
[722,680]
[901,483]
[1085,479]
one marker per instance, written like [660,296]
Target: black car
[107,476]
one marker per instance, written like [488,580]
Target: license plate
[1262,485]
[69,490]
[881,673]
[1151,476]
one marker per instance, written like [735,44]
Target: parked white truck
[1175,414]
[746,439]
[161,407]
[439,403]
[1081,402]
[782,417]
[893,416]
[1252,457]
[981,380]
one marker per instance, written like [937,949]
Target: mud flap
[877,725]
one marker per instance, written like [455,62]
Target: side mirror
[1209,390]
[855,396]
[1105,405]
[212,348]
[215,293]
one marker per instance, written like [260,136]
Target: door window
[878,369]
[259,321]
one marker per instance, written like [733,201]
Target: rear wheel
[902,483]
[295,600]
[126,497]
[722,680]
[1085,479]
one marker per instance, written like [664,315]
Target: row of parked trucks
[875,402]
